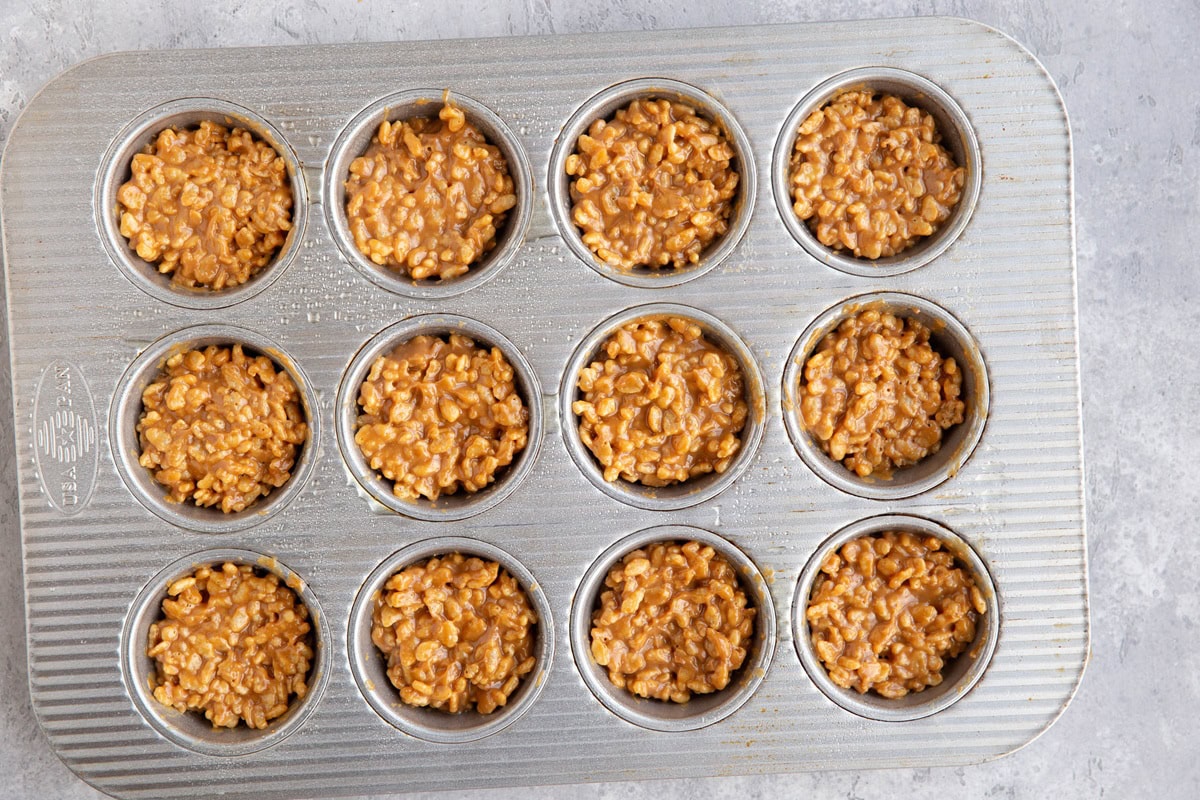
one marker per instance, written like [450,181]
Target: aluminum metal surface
[77,322]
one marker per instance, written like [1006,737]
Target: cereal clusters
[232,643]
[672,622]
[209,206]
[653,186]
[663,404]
[869,175]
[457,632]
[428,196]
[220,427]
[877,396]
[440,413]
[889,611]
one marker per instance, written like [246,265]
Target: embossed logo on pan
[64,437]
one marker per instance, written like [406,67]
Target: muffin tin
[87,319]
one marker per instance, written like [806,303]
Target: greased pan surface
[78,320]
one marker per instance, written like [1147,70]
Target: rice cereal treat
[877,396]
[220,427]
[869,174]
[661,403]
[653,186]
[210,206]
[439,414]
[457,632]
[672,622]
[234,644]
[890,611]
[428,196]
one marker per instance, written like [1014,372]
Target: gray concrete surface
[1128,71]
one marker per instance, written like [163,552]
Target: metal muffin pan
[94,548]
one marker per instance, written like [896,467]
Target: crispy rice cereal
[870,176]
[232,643]
[653,186]
[457,632]
[220,427]
[661,403]
[209,206]
[428,196]
[877,396]
[890,610]
[439,414]
[672,622]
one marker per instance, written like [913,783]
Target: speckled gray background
[1129,76]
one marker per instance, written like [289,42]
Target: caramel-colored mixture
[428,196]
[672,622]
[661,403]
[877,396]
[439,414]
[889,612]
[220,427]
[232,643]
[457,632]
[654,186]
[209,206]
[870,176]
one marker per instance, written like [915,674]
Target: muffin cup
[353,142]
[115,171]
[461,504]
[948,337]
[958,137]
[126,446]
[701,710]
[695,490]
[962,673]
[369,667]
[190,729]
[604,106]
